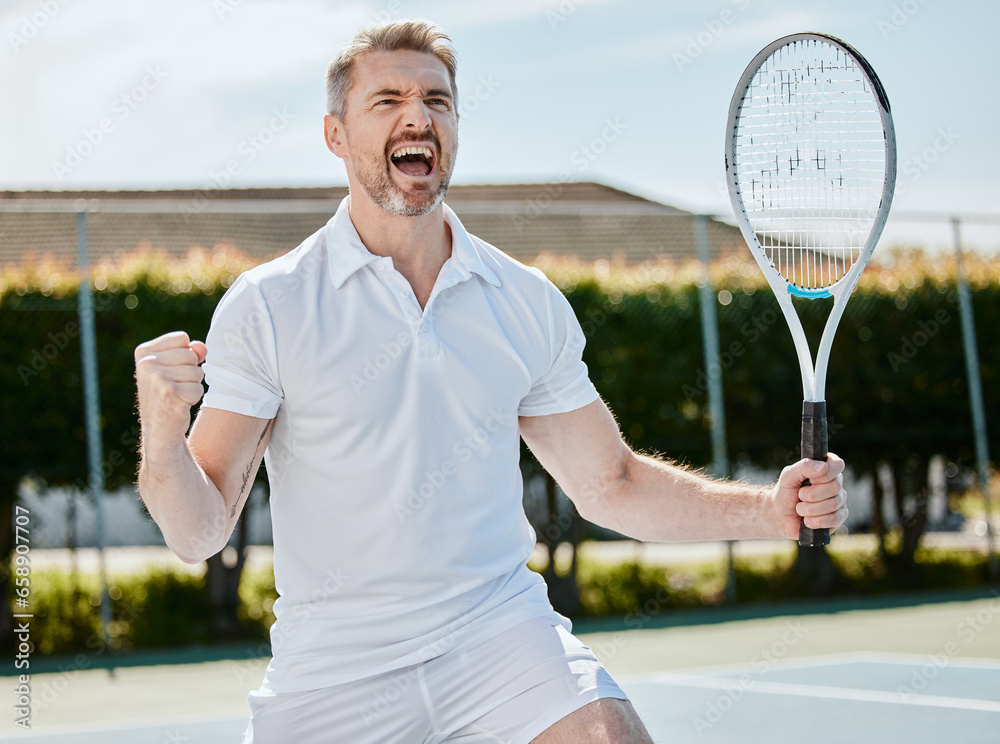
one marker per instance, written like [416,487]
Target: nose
[416,115]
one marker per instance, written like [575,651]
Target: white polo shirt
[395,490]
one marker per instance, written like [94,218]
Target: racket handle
[814,444]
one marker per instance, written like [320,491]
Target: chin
[398,204]
[416,201]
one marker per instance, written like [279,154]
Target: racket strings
[809,154]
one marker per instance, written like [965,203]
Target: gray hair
[415,35]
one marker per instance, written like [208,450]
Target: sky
[632,93]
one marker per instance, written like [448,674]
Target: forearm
[183,501]
[658,501]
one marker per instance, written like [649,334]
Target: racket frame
[813,378]
[814,430]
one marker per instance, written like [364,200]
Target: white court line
[826,693]
[802,662]
[959,662]
[824,660]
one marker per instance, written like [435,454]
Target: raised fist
[168,377]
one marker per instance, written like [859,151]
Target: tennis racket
[811,166]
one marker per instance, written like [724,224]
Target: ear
[333,132]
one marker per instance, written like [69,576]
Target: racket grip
[814,446]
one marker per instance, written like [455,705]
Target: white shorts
[509,689]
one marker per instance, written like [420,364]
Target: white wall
[126,521]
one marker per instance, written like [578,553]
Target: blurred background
[173,145]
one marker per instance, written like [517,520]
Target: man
[388,367]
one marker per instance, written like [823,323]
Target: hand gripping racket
[811,166]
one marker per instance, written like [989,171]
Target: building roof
[585,219]
[574,191]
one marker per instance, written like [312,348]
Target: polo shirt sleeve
[565,385]
[242,364]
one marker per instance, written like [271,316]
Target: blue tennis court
[848,698]
[856,697]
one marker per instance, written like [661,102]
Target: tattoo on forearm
[248,472]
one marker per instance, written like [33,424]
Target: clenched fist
[820,504]
[168,377]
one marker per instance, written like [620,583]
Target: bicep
[229,448]
[582,449]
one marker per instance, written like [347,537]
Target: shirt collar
[464,252]
[347,254]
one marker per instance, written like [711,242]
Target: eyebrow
[434,92]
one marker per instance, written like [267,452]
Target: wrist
[156,450]
[773,521]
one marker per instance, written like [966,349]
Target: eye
[385,101]
[439,103]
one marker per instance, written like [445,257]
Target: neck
[418,246]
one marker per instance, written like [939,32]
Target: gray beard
[381,189]
[391,198]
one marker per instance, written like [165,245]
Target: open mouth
[414,160]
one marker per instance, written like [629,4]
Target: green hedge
[139,298]
[167,608]
[897,384]
[155,608]
[896,392]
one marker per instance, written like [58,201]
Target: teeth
[425,151]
